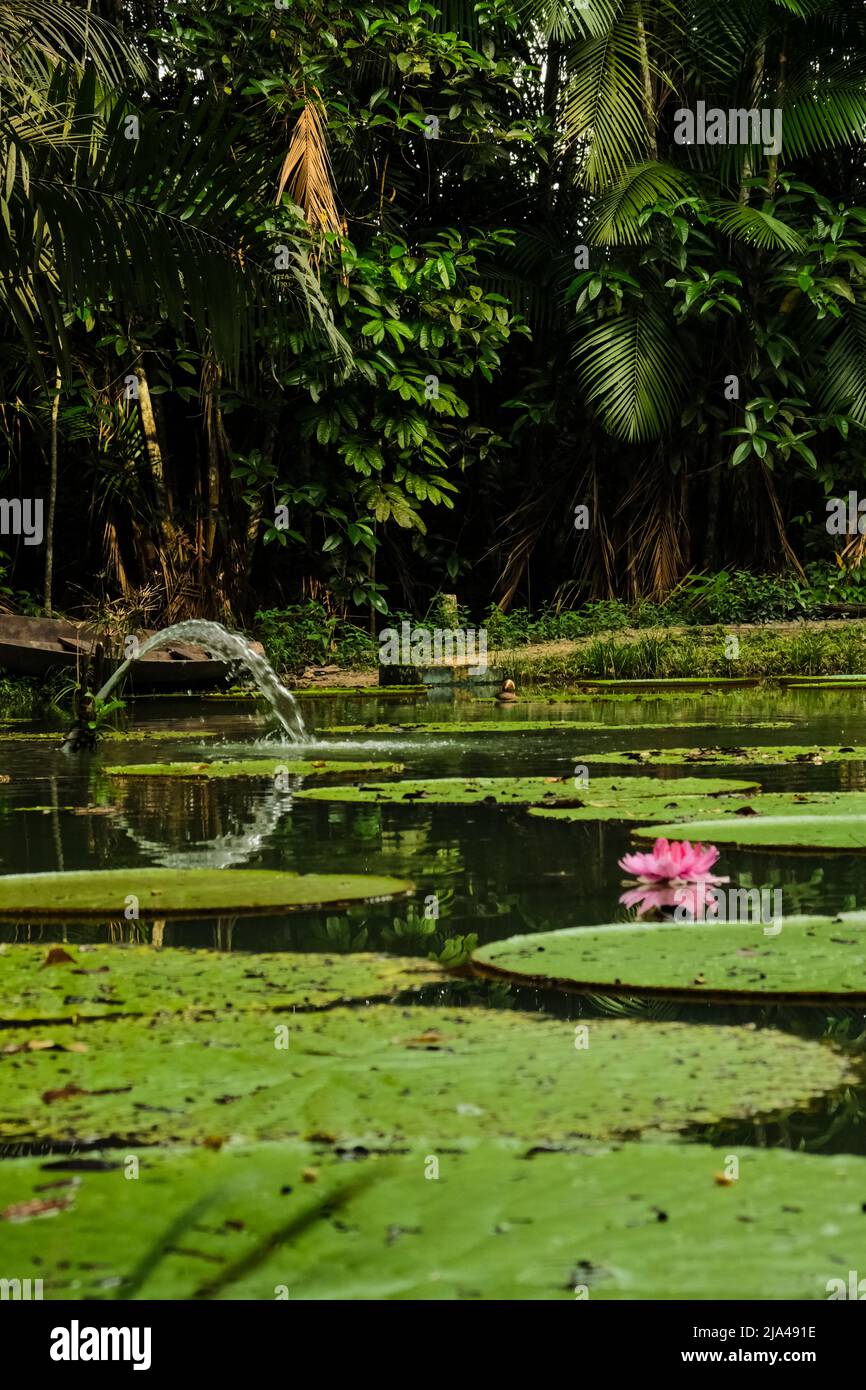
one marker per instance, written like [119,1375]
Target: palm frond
[844,376]
[832,115]
[755,227]
[38,32]
[616,221]
[564,20]
[604,102]
[306,171]
[112,217]
[632,369]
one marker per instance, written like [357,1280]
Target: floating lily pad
[359,692]
[837,682]
[521,791]
[629,1222]
[264,769]
[730,757]
[687,809]
[518,725]
[121,735]
[166,894]
[801,825]
[385,1074]
[666,683]
[46,983]
[619,806]
[812,959]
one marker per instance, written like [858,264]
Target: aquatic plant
[673,874]
[677,861]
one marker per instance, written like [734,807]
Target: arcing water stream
[231,647]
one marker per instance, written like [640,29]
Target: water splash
[230,647]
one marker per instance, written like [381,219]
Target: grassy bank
[822,649]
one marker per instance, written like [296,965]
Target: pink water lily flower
[676,861]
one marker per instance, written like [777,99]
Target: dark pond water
[494,871]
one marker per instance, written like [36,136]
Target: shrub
[305,634]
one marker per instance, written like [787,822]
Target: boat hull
[37,646]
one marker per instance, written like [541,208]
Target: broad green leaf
[194,893]
[48,983]
[634,1221]
[810,960]
[520,791]
[386,1075]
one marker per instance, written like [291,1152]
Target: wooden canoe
[35,646]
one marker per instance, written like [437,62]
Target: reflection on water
[165,824]
[480,871]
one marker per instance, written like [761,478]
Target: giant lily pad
[65,983]
[194,893]
[730,757]
[118,735]
[385,1074]
[619,806]
[811,959]
[687,809]
[521,791]
[779,820]
[264,769]
[629,1222]
[837,682]
[519,725]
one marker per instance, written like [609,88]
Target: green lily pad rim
[387,889]
[619,989]
[706,829]
[255,769]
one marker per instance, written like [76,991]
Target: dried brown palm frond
[547,514]
[307,173]
[596,576]
[657,536]
[527,523]
[850,557]
[779,523]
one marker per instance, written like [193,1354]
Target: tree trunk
[754,97]
[169,547]
[648,98]
[773,164]
[48,598]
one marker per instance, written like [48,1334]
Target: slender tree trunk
[551,104]
[773,165]
[48,598]
[169,547]
[648,97]
[754,101]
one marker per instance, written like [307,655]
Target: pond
[482,873]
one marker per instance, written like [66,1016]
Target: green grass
[701,654]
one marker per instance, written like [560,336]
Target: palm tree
[111,203]
[100,199]
[707,262]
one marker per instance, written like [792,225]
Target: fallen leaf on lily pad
[57,956]
[26,1211]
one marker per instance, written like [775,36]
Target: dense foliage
[350,305]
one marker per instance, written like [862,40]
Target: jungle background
[295,320]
